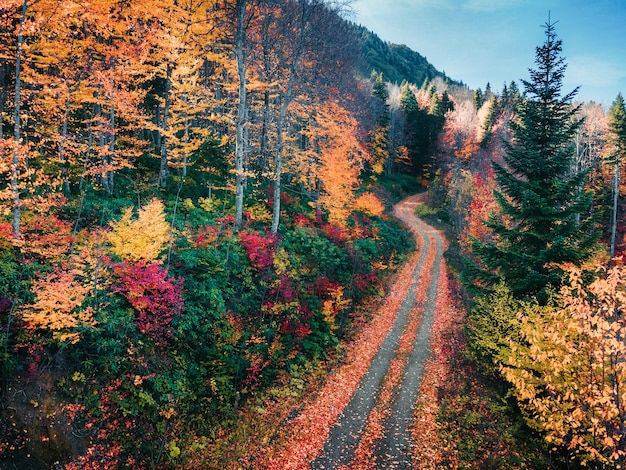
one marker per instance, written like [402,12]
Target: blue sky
[480,41]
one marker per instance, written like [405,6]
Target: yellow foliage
[281,261]
[380,152]
[369,204]
[569,376]
[259,212]
[174,449]
[188,204]
[209,204]
[329,313]
[333,306]
[79,377]
[143,238]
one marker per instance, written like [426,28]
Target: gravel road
[392,452]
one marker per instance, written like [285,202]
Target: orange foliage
[58,300]
[340,160]
[369,204]
[468,149]
[462,131]
[60,295]
[46,237]
[482,205]
[333,306]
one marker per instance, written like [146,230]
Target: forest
[196,225]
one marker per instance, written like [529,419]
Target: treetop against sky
[480,41]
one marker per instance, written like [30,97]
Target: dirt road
[392,451]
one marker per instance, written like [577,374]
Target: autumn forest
[214,213]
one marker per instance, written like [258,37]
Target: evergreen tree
[543,209]
[617,139]
[490,118]
[411,131]
[380,87]
[478,99]
[380,141]
[510,96]
[488,93]
[408,101]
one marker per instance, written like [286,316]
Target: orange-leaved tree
[182,35]
[67,299]
[339,161]
[58,305]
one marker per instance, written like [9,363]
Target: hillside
[397,62]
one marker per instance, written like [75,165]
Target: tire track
[393,451]
[345,435]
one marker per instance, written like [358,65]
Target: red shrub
[324,286]
[260,248]
[334,233]
[301,220]
[156,298]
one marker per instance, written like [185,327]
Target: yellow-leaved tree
[570,375]
[143,238]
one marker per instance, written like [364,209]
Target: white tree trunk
[240,55]
[17,203]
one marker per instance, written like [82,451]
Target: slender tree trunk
[267,77]
[185,157]
[280,128]
[616,185]
[111,157]
[163,170]
[81,184]
[247,144]
[17,203]
[62,157]
[578,164]
[241,58]
[278,168]
[265,129]
[103,136]
[157,134]
[3,92]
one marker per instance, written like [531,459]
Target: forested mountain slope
[397,62]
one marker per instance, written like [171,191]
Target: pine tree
[488,93]
[380,140]
[380,87]
[408,101]
[617,137]
[543,209]
[478,98]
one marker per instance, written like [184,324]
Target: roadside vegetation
[196,233]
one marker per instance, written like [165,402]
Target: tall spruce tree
[617,139]
[380,140]
[543,218]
